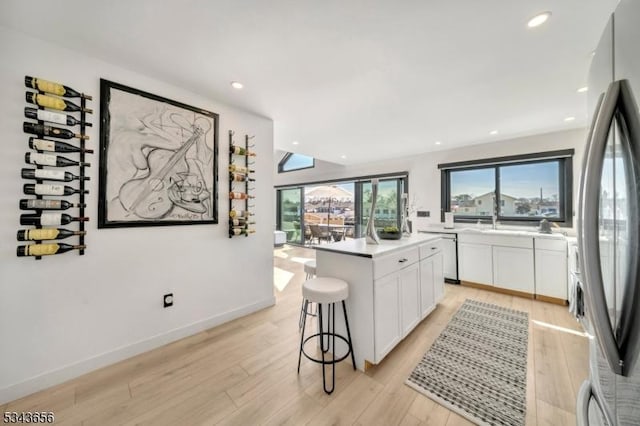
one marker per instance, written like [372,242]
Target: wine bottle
[46,234]
[240,214]
[47,189]
[236,231]
[55,146]
[46,174]
[34,204]
[52,117]
[44,130]
[239,169]
[49,219]
[240,177]
[241,221]
[238,150]
[46,249]
[53,87]
[239,195]
[240,226]
[54,103]
[51,160]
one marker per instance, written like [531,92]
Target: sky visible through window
[517,181]
[297,161]
[531,189]
[472,182]
[526,180]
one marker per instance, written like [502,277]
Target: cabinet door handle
[434,248]
[402,260]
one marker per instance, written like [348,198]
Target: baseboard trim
[497,289]
[71,371]
[550,299]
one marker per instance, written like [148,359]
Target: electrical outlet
[167,300]
[424,213]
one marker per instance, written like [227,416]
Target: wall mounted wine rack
[51,109]
[240,180]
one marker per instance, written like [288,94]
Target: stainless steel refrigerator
[609,226]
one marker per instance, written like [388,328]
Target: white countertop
[359,246]
[486,230]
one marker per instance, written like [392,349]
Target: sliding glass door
[388,211]
[338,209]
[290,214]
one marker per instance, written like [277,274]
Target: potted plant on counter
[390,233]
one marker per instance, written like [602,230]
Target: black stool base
[330,334]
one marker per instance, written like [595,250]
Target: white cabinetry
[386,315]
[551,268]
[475,262]
[503,261]
[438,277]
[396,298]
[513,268]
[427,297]
[431,277]
[389,290]
[409,283]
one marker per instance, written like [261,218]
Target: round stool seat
[325,290]
[310,267]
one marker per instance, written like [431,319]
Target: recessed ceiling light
[569,119]
[583,89]
[493,132]
[295,142]
[237,85]
[539,19]
[343,156]
[438,143]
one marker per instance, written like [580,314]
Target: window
[519,188]
[291,162]
[344,203]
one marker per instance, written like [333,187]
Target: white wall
[68,314]
[424,175]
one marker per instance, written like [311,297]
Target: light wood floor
[244,372]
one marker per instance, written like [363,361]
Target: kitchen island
[392,287]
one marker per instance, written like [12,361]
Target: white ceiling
[366,79]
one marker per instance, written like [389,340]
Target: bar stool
[310,271]
[329,291]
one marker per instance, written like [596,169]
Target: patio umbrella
[328,193]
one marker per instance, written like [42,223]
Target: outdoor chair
[308,236]
[319,234]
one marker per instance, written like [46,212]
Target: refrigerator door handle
[629,328]
[588,228]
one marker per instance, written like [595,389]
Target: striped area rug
[477,367]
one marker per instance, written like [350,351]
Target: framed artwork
[158,160]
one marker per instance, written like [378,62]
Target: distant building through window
[523,188]
[292,161]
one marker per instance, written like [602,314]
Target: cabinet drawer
[394,262]
[551,244]
[430,249]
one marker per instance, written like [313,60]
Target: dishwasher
[450,255]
